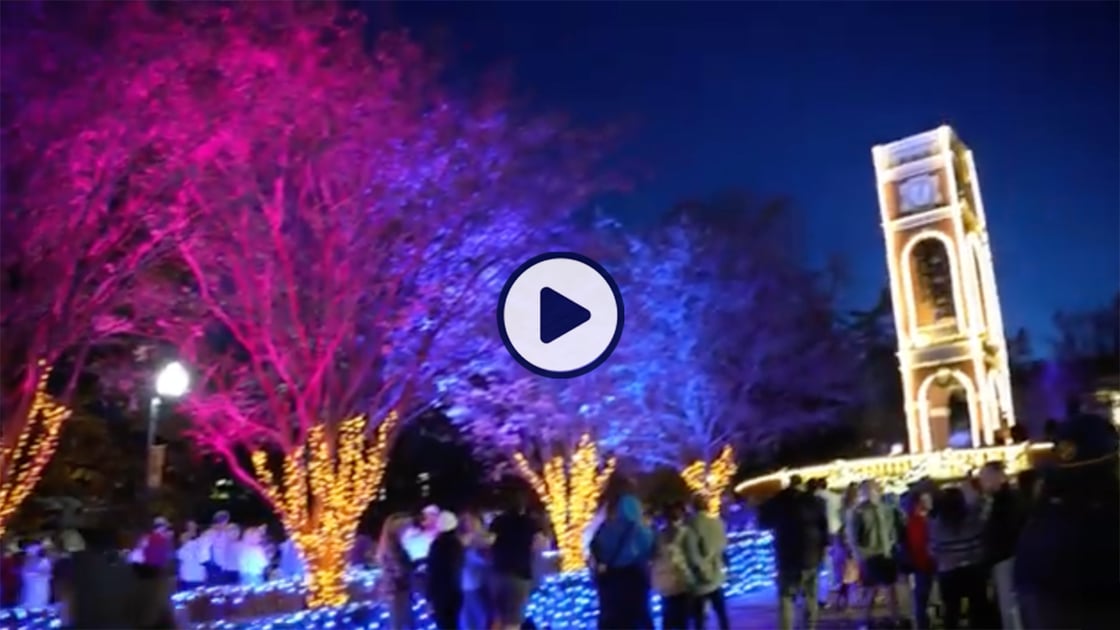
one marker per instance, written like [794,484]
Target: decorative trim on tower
[951,347]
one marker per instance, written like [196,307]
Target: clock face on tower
[918,193]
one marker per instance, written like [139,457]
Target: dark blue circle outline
[603,356]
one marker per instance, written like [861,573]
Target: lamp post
[172,382]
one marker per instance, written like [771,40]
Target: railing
[894,470]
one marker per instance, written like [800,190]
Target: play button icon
[560,315]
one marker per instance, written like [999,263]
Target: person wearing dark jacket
[1067,562]
[799,522]
[101,585]
[445,567]
[1001,534]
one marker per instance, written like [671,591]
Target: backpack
[670,574]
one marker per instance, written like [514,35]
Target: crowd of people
[1035,551]
[1038,551]
[480,575]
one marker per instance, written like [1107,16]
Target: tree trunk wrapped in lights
[23,458]
[710,479]
[570,488]
[321,493]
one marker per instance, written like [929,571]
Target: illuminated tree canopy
[339,209]
[88,169]
[730,340]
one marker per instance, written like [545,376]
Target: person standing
[833,506]
[252,560]
[799,522]
[395,584]
[1001,534]
[1067,561]
[921,561]
[217,548]
[707,555]
[476,569]
[192,570]
[673,577]
[417,538]
[957,545]
[445,571]
[871,532]
[517,538]
[622,549]
[154,576]
[35,583]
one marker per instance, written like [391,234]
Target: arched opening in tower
[934,283]
[960,421]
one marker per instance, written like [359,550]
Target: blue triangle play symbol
[559,315]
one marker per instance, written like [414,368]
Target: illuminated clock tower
[951,346]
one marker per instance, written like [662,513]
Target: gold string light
[325,487]
[23,462]
[570,489]
[710,480]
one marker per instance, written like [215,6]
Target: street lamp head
[173,380]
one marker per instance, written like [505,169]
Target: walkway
[759,611]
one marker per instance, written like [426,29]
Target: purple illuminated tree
[348,210]
[731,341]
[88,167]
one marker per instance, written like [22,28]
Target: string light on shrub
[710,480]
[565,601]
[325,486]
[22,463]
[570,490]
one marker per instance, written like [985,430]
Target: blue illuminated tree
[731,342]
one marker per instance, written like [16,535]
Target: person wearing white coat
[36,578]
[192,561]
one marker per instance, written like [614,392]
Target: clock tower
[951,347]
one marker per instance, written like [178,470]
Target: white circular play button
[560,315]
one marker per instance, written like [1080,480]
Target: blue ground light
[563,602]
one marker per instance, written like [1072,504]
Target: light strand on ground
[709,480]
[326,485]
[570,490]
[22,463]
[565,601]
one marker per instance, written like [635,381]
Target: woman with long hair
[845,569]
[395,585]
[956,541]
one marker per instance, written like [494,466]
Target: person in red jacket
[921,561]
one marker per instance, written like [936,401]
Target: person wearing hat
[1067,561]
[445,567]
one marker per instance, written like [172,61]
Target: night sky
[788,98]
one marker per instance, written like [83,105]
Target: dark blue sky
[788,98]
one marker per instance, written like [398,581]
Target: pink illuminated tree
[348,211]
[87,170]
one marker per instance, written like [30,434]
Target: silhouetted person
[445,569]
[1067,563]
[101,584]
[799,522]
